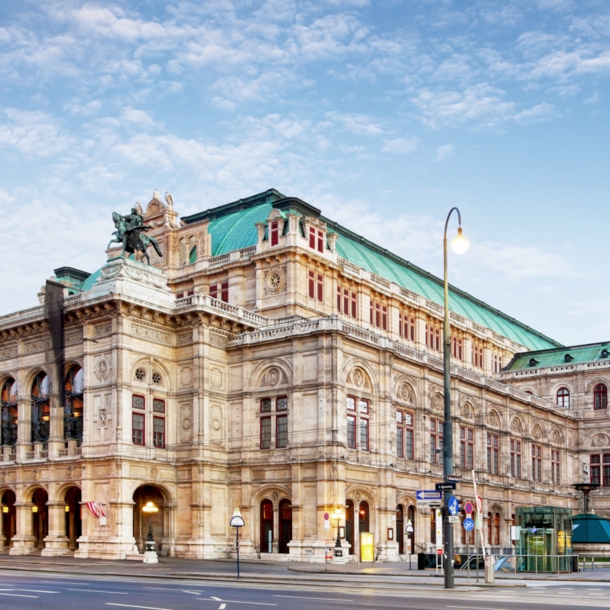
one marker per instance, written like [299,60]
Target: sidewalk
[272,571]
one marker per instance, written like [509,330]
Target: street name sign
[428,495]
[454,477]
[448,486]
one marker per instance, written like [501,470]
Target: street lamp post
[459,244]
[150,555]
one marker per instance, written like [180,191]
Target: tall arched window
[73,404]
[563,397]
[41,409]
[8,401]
[600,397]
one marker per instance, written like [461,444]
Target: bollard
[489,568]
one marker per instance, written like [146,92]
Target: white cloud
[361,124]
[442,152]
[594,99]
[400,145]
[540,112]
[32,133]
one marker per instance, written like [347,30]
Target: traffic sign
[468,524]
[468,508]
[236,520]
[448,486]
[454,477]
[428,495]
[453,505]
[453,519]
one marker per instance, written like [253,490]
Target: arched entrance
[349,524]
[266,533]
[9,517]
[141,521]
[73,517]
[363,518]
[400,528]
[285,526]
[40,518]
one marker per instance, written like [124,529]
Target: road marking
[324,599]
[234,601]
[30,590]
[474,608]
[192,592]
[95,591]
[16,595]
[130,606]
[159,588]
[222,606]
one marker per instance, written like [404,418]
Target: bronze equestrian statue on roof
[131,233]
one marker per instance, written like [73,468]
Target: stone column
[56,428]
[24,428]
[23,541]
[56,543]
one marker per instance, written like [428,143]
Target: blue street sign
[468,524]
[429,494]
[453,505]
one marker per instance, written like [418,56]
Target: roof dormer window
[275,233]
[316,239]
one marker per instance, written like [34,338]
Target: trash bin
[489,568]
[421,561]
[575,563]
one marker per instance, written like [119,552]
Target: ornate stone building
[274,361]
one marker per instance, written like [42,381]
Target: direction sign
[448,486]
[454,477]
[428,495]
[468,508]
[453,505]
[468,524]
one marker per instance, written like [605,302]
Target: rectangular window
[406,326]
[364,434]
[159,432]
[224,291]
[537,463]
[496,363]
[275,234]
[316,239]
[214,291]
[350,403]
[433,337]
[477,356]
[137,428]
[158,405]
[281,431]
[137,402]
[400,440]
[404,434]
[265,405]
[379,315]
[606,470]
[467,447]
[493,454]
[595,461]
[281,403]
[515,458]
[351,431]
[316,285]
[346,301]
[265,432]
[457,348]
[555,468]
[436,440]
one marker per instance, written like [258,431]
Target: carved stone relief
[274,376]
[102,369]
[600,440]
[275,280]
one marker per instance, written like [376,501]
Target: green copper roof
[232,227]
[562,356]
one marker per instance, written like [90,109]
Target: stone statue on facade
[130,231]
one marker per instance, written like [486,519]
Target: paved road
[27,591]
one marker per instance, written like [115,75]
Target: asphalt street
[72,592]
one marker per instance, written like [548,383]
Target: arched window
[73,404]
[600,397]
[8,401]
[41,409]
[563,397]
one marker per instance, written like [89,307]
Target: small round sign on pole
[468,508]
[237,521]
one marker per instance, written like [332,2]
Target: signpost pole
[237,521]
[237,546]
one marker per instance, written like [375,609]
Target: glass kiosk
[544,542]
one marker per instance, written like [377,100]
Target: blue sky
[384,114]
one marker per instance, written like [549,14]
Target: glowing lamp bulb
[459,244]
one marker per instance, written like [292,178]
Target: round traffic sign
[468,508]
[326,516]
[468,524]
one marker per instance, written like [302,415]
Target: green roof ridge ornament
[130,232]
